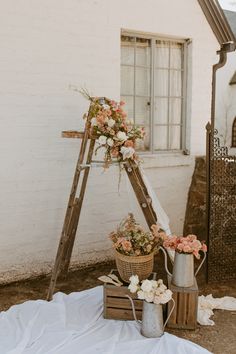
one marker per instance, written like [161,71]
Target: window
[153,87]
[234,133]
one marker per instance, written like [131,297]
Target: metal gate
[221,210]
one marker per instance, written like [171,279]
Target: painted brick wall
[47,47]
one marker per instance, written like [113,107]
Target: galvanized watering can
[183,269]
[152,319]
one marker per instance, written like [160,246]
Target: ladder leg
[64,236]
[141,193]
[77,211]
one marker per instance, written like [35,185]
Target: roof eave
[219,24]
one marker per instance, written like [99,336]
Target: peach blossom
[129,143]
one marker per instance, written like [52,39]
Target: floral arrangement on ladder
[114,132]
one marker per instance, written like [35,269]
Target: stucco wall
[46,47]
[226,101]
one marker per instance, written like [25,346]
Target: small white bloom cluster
[150,290]
[127,152]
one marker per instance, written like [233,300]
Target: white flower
[111,122]
[162,288]
[134,279]
[105,106]
[102,140]
[110,142]
[141,295]
[127,152]
[156,299]
[94,122]
[132,288]
[146,285]
[154,284]
[165,297]
[121,136]
[149,296]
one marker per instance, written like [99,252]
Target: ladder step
[72,134]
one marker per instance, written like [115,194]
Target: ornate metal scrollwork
[222,213]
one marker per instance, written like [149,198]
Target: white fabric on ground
[206,305]
[72,324]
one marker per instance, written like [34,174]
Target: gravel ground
[219,339]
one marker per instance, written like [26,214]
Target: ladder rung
[72,134]
[96,164]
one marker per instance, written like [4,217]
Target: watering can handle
[133,309]
[200,265]
[170,312]
[165,256]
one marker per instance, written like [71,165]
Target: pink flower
[129,143]
[204,247]
[196,254]
[180,247]
[127,246]
[192,237]
[187,249]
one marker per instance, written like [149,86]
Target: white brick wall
[46,46]
[226,101]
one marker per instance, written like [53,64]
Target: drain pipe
[225,48]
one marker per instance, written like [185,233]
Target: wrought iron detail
[222,212]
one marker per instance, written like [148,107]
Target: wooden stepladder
[85,161]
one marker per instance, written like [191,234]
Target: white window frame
[184,139]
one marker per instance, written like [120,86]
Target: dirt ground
[219,339]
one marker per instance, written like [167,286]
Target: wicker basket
[134,265]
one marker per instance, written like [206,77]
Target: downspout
[225,48]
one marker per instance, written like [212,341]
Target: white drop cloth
[206,305]
[73,324]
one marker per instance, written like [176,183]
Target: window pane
[144,145]
[160,138]
[161,82]
[142,82]
[175,83]
[160,110]
[127,80]
[127,55]
[142,111]
[175,110]
[143,51]
[129,106]
[127,50]
[174,137]
[176,55]
[162,54]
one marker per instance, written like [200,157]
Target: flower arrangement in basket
[134,248]
[114,132]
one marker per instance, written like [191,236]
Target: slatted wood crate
[184,315]
[117,306]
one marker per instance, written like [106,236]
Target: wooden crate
[117,306]
[184,315]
